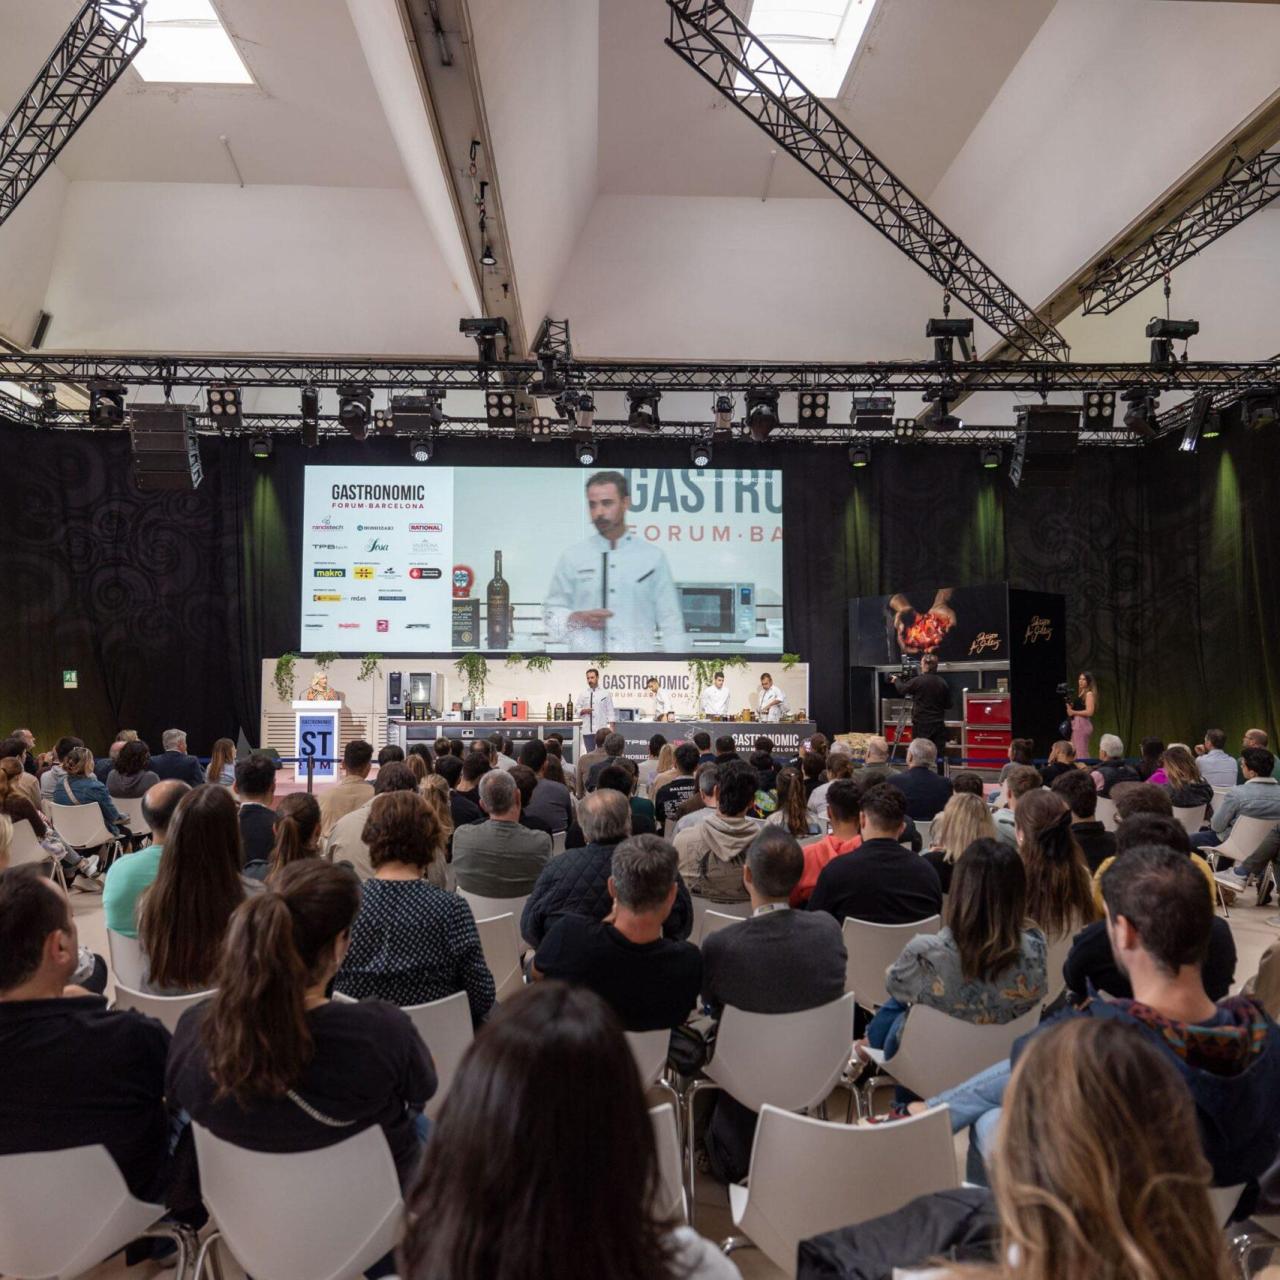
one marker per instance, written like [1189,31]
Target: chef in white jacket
[715,697]
[614,592]
[773,702]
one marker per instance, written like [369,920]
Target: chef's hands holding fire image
[613,592]
[922,632]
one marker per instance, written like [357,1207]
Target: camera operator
[930,699]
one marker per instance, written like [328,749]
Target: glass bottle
[498,607]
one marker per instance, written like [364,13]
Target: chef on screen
[614,592]
[715,697]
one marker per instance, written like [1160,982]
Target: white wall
[185,267]
[27,243]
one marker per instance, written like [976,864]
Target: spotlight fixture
[486,257]
[945,333]
[354,404]
[722,413]
[499,407]
[382,423]
[310,417]
[642,409]
[540,427]
[1018,459]
[48,400]
[1099,410]
[1164,333]
[586,448]
[904,430]
[1201,408]
[1212,425]
[859,455]
[584,412]
[486,330]
[1258,407]
[700,453]
[813,408]
[106,404]
[224,403]
[421,448]
[414,414]
[260,447]
[1140,416]
[989,456]
[874,410]
[762,412]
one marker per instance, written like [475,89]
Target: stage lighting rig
[106,404]
[261,447]
[859,455]
[874,410]
[905,430]
[354,408]
[945,333]
[310,409]
[1140,416]
[486,330]
[722,413]
[584,411]
[1201,408]
[224,404]
[414,414]
[989,456]
[382,423]
[541,427]
[421,448]
[762,412]
[642,409]
[1099,410]
[586,448]
[1258,407]
[48,400]
[813,407]
[700,453]
[1163,334]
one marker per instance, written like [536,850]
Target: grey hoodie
[51,780]
[712,854]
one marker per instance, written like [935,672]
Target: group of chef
[594,707]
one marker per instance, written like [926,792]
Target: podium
[316,734]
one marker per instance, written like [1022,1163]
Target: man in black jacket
[926,793]
[930,700]
[174,762]
[577,882]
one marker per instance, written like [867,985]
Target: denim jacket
[89,791]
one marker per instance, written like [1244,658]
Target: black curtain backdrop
[165,604]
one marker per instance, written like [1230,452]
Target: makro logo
[331,573]
[425,571]
[426,528]
[375,528]
[376,544]
[364,572]
[348,626]
[331,597]
[384,624]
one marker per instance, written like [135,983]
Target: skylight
[814,39]
[187,44]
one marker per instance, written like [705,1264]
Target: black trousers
[937,734]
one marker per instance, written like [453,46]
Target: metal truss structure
[553,339]
[722,49]
[1245,190]
[1034,377]
[101,41]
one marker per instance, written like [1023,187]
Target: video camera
[1063,690]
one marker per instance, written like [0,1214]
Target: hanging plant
[514,659]
[369,666]
[285,675]
[474,669]
[703,670]
[324,660]
[601,660]
[539,662]
[789,660]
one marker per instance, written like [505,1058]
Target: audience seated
[551,801]
[650,981]
[880,881]
[353,791]
[412,942]
[222,763]
[987,964]
[501,757]
[14,802]
[839,768]
[475,764]
[1258,796]
[1090,960]
[925,789]
[964,819]
[844,837]
[80,786]
[1186,786]
[621,776]
[566,1192]
[702,740]
[1020,781]
[130,876]
[1021,751]
[15,747]
[346,841]
[75,1073]
[499,858]
[778,961]
[614,745]
[713,851]
[174,762]
[526,784]
[649,767]
[1258,738]
[1059,891]
[701,802]
[875,762]
[1062,759]
[52,777]
[1111,767]
[793,813]
[1216,767]
[183,916]
[968,782]
[317,1071]
[131,774]
[1135,800]
[256,791]
[671,794]
[393,754]
[1150,764]
[297,835]
[577,881]
[462,808]
[588,759]
[1079,791]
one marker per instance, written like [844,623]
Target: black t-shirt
[932,697]
[671,795]
[881,882]
[1090,960]
[463,809]
[534,823]
[75,1074]
[257,831]
[369,1067]
[650,985]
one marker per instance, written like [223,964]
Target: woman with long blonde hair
[1059,888]
[222,763]
[965,819]
[1187,787]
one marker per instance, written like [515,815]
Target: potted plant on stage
[285,676]
[474,669]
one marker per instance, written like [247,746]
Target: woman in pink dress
[1081,710]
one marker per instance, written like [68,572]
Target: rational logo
[426,528]
[331,597]
[331,573]
[365,572]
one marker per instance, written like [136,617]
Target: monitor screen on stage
[541,560]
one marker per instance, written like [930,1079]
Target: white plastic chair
[1243,840]
[486,908]
[926,832]
[1055,959]
[871,949]
[1106,813]
[165,1009]
[557,842]
[128,964]
[327,1214]
[82,827]
[712,922]
[938,1052]
[446,1030]
[809,1176]
[25,847]
[1224,1201]
[1192,817]
[649,1048]
[131,809]
[791,1060]
[39,1237]
[500,938]
[669,1201]
[702,905]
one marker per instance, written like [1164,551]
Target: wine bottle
[559,712]
[569,709]
[548,711]
[498,606]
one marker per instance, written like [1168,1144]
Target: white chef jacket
[773,704]
[659,705]
[633,580]
[595,710]
[715,702]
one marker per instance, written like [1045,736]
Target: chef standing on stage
[773,702]
[659,704]
[715,698]
[594,707]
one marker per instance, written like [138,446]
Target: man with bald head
[1257,738]
[131,876]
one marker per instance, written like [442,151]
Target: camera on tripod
[910,667]
[1063,690]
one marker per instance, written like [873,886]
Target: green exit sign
[70,679]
